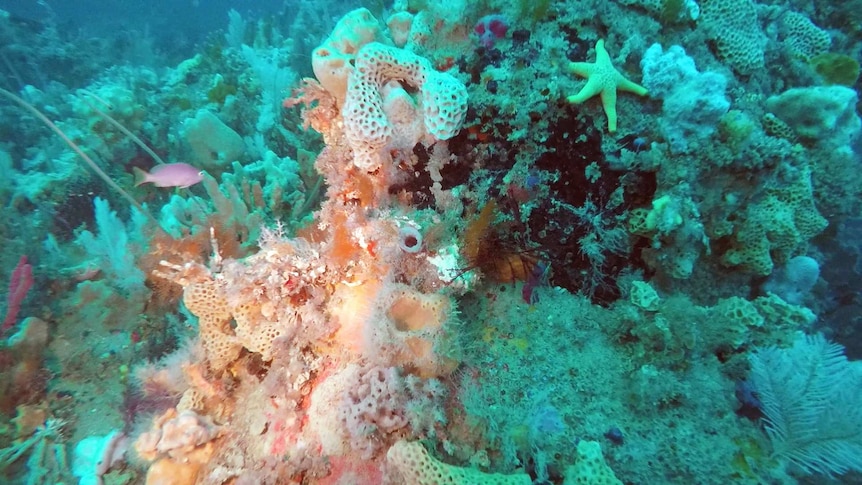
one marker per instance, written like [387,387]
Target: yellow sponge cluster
[256,332]
[206,300]
[802,37]
[776,229]
[739,317]
[590,469]
[222,343]
[732,25]
[411,461]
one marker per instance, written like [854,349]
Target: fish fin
[140,176]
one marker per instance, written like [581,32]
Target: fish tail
[140,176]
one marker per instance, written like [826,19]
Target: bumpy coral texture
[776,228]
[590,467]
[802,37]
[442,101]
[412,463]
[382,406]
[732,25]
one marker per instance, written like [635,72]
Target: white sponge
[368,127]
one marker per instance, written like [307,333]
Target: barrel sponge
[414,324]
[213,143]
[732,26]
[442,99]
[357,28]
[411,463]
[399,25]
[332,68]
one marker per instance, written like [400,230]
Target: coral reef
[411,248]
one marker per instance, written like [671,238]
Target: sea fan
[812,402]
[110,246]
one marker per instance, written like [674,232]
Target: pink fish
[180,175]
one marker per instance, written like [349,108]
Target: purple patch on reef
[490,28]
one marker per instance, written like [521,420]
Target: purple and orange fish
[179,175]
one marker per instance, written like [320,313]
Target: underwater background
[430,242]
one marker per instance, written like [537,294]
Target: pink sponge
[383,405]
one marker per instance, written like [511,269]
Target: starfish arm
[602,56]
[609,103]
[626,85]
[592,88]
[583,69]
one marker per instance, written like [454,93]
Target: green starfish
[603,79]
